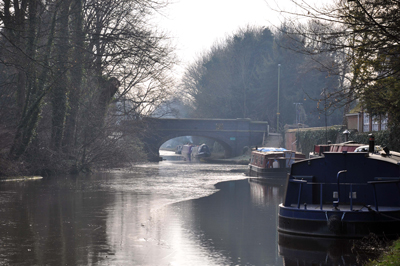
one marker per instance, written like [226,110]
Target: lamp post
[277,111]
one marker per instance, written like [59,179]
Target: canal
[167,213]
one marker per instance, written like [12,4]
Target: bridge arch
[232,134]
[227,148]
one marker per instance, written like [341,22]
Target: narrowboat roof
[393,157]
[269,149]
[357,161]
[275,151]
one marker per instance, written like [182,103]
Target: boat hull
[256,171]
[342,195]
[202,155]
[339,223]
[272,162]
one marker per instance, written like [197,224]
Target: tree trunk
[76,72]
[59,94]
[34,90]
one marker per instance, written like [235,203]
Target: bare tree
[368,34]
[66,61]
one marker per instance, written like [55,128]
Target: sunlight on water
[139,221]
[167,213]
[174,181]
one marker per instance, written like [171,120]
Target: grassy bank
[390,257]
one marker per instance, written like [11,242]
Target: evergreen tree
[239,79]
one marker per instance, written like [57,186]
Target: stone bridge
[232,134]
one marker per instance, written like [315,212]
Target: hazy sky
[195,25]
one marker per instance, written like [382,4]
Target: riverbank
[389,257]
[19,178]
[241,160]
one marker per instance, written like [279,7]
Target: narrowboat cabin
[190,152]
[266,162]
[186,152]
[320,149]
[350,146]
[343,195]
[201,151]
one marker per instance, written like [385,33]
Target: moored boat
[349,146]
[201,151]
[186,152]
[190,152]
[268,161]
[319,150]
[343,195]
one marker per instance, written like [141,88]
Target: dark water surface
[156,214]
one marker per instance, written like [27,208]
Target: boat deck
[343,208]
[342,195]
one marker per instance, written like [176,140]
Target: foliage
[383,98]
[367,34]
[390,257]
[306,139]
[63,62]
[381,138]
[238,78]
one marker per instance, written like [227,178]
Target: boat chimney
[346,135]
[371,140]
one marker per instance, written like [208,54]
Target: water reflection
[170,213]
[297,250]
[43,221]
[267,192]
[237,223]
[116,218]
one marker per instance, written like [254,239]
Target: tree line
[346,54]
[242,76]
[71,71]
[367,34]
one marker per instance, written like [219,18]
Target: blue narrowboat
[343,195]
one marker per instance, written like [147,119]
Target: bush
[381,138]
[306,139]
[389,257]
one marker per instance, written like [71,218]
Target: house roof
[356,109]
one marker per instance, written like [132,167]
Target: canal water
[167,213]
